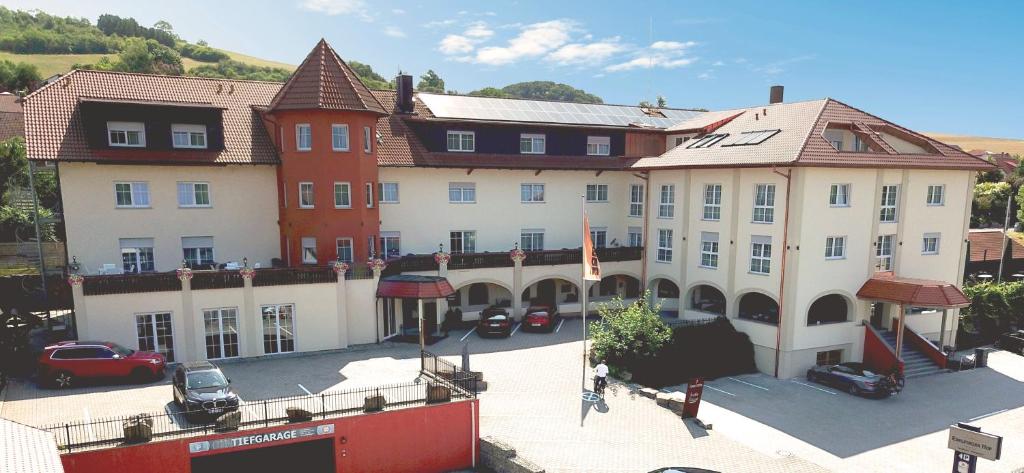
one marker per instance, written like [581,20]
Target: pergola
[408,286]
[886,287]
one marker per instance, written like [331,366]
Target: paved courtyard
[534,404]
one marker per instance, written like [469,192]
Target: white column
[518,256]
[78,298]
[341,301]
[250,323]
[376,265]
[442,259]
[188,317]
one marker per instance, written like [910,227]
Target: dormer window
[531,143]
[188,136]
[127,134]
[461,141]
[598,146]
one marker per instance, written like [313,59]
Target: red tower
[324,120]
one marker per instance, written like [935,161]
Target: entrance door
[546,292]
[878,315]
[409,323]
[390,318]
[315,457]
[430,317]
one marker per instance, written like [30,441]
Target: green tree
[13,166]
[163,26]
[18,77]
[628,333]
[230,69]
[370,78]
[489,92]
[548,90]
[989,205]
[431,82]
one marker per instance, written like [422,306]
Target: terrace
[500,259]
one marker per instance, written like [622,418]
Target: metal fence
[172,424]
[446,371]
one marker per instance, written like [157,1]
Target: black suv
[202,390]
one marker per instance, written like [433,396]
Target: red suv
[62,364]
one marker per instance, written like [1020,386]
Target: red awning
[408,286]
[913,292]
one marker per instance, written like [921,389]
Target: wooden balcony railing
[411,263]
[130,283]
[303,275]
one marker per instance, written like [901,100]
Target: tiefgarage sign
[979,444]
[260,439]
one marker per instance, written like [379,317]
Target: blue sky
[931,66]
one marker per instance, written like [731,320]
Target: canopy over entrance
[886,287]
[407,286]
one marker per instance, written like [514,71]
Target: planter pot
[228,421]
[138,429]
[374,403]
[438,393]
[296,414]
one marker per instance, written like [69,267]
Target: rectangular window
[839,195]
[531,144]
[936,195]
[713,202]
[930,244]
[463,241]
[529,193]
[126,134]
[764,203]
[835,138]
[709,250]
[463,141]
[137,255]
[888,207]
[367,139]
[636,236]
[342,195]
[198,250]
[188,136]
[666,209]
[760,254]
[221,332]
[461,192]
[664,245]
[369,195]
[370,245]
[531,240]
[278,328]
[883,250]
[389,192]
[828,358]
[599,236]
[308,250]
[339,137]
[303,137]
[344,249]
[599,146]
[155,333]
[835,247]
[597,192]
[305,195]
[636,200]
[193,194]
[391,244]
[131,194]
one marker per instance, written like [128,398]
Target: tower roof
[323,81]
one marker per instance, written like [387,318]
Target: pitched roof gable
[323,81]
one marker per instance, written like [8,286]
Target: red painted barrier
[922,345]
[435,438]
[878,355]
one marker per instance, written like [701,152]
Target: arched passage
[476,296]
[665,292]
[759,308]
[550,291]
[706,298]
[828,309]
[622,285]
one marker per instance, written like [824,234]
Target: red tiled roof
[912,292]
[324,81]
[986,245]
[520,161]
[398,146]
[54,130]
[12,121]
[414,287]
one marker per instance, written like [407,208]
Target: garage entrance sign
[970,443]
[264,438]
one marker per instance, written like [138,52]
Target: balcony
[95,285]
[412,263]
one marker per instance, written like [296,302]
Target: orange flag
[591,266]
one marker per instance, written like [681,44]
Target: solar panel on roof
[749,138]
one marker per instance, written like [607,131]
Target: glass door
[390,319]
[221,333]
[278,328]
[155,333]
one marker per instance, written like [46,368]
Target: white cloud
[479,30]
[586,53]
[397,11]
[718,64]
[671,45]
[338,7]
[660,54]
[779,67]
[456,44]
[439,23]
[394,32]
[533,40]
[705,75]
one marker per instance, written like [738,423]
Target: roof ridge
[345,69]
[817,119]
[563,101]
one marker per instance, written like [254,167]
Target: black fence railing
[446,371]
[130,283]
[165,425]
[411,263]
[216,279]
[622,253]
[480,260]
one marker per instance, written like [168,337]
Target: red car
[61,365]
[541,317]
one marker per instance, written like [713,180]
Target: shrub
[995,309]
[626,334]
[708,350]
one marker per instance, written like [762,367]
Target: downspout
[646,176]
[782,272]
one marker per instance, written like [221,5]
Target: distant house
[1006,162]
[985,245]
[12,121]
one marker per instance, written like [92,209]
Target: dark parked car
[853,378]
[1012,341]
[63,364]
[202,390]
[541,317]
[494,321]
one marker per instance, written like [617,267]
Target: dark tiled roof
[54,130]
[522,161]
[12,121]
[912,292]
[324,81]
[986,245]
[398,145]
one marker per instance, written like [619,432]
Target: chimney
[775,96]
[404,100]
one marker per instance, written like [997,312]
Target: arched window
[632,287]
[828,309]
[478,294]
[759,308]
[706,298]
[667,289]
[609,286]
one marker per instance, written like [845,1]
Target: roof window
[750,138]
[708,140]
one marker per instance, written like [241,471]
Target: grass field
[50,64]
[999,145]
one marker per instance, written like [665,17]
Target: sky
[938,66]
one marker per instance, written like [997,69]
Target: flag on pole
[591,266]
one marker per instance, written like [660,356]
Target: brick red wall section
[427,439]
[877,355]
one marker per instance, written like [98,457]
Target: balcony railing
[129,283]
[411,263]
[285,276]
[216,279]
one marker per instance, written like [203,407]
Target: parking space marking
[515,329]
[88,424]
[560,325]
[719,390]
[304,389]
[749,384]
[815,387]
[990,414]
[466,336]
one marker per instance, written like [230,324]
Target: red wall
[877,354]
[426,439]
[323,167]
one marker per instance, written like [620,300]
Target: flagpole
[583,287]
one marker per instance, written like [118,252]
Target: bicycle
[895,381]
[599,385]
